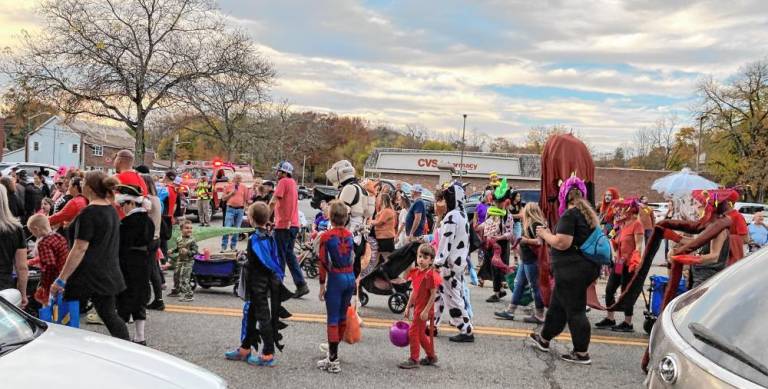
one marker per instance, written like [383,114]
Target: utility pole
[303,165]
[173,149]
[461,163]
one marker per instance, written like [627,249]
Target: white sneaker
[333,367]
[93,318]
[324,347]
[323,363]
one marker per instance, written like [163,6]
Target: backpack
[369,202]
[597,247]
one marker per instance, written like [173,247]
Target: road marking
[372,322]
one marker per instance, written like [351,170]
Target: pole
[173,149]
[303,165]
[461,163]
[698,147]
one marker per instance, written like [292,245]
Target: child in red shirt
[52,250]
[425,280]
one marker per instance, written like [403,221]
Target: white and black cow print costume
[451,260]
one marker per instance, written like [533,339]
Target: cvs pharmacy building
[430,168]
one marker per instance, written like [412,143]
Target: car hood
[63,357]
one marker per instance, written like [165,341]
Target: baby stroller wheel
[193,283]
[397,302]
[363,298]
[234,289]
[648,325]
[310,270]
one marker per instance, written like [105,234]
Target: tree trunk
[139,147]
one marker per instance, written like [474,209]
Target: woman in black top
[14,204]
[573,274]
[528,273]
[92,269]
[13,249]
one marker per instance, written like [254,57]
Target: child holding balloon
[425,280]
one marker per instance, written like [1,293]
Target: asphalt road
[203,330]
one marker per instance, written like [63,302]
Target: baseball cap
[417,188]
[284,166]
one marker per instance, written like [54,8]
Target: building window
[98,150]
[36,146]
[75,148]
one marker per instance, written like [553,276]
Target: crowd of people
[102,239]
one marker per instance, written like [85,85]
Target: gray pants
[203,211]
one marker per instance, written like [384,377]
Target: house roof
[94,133]
[100,134]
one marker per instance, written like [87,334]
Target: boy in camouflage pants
[183,257]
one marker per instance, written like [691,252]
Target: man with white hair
[758,231]
[235,196]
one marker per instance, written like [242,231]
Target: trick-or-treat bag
[61,312]
[353,333]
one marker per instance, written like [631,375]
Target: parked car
[659,210]
[714,335]
[748,210]
[527,195]
[304,193]
[31,168]
[474,197]
[36,354]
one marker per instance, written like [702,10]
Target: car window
[732,305]
[13,327]
[751,209]
[530,196]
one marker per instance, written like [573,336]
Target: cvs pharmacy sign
[432,163]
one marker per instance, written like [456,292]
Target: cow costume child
[451,260]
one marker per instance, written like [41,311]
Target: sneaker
[140,342]
[533,320]
[238,354]
[538,342]
[301,291]
[493,299]
[462,338]
[157,305]
[408,364]
[93,318]
[623,327]
[605,324]
[427,361]
[506,315]
[329,366]
[502,293]
[576,358]
[434,331]
[186,299]
[324,347]
[262,360]
[174,293]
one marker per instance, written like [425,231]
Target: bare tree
[225,101]
[662,137]
[642,146]
[121,59]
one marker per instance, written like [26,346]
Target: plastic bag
[61,312]
[353,333]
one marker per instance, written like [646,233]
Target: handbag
[61,312]
[597,248]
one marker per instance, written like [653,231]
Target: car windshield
[14,328]
[733,307]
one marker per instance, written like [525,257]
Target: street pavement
[201,331]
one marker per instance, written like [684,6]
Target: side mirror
[13,296]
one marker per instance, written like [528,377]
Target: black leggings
[106,308]
[614,281]
[262,290]
[156,278]
[498,275]
[569,301]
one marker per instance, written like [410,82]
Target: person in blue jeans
[235,195]
[528,274]
[285,205]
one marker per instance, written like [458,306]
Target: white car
[35,354]
[748,210]
[659,210]
[31,168]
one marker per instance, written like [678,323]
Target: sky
[604,68]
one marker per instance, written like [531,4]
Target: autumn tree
[121,60]
[736,113]
[23,112]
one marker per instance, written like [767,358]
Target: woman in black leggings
[92,269]
[573,274]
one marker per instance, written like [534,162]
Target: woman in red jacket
[62,218]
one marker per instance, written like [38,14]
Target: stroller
[378,281]
[308,259]
[656,293]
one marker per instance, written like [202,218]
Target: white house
[73,143]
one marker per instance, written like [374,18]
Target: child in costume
[52,251]
[336,267]
[136,235]
[425,281]
[498,232]
[264,292]
[183,257]
[451,261]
